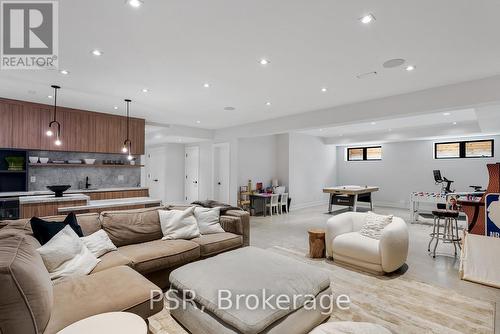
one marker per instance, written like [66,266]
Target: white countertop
[70,191]
[52,198]
[111,203]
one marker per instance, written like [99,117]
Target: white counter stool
[449,232]
[106,323]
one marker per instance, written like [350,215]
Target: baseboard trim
[300,206]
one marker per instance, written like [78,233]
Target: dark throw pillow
[44,230]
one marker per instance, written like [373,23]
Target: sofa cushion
[45,230]
[132,226]
[116,289]
[357,246]
[211,244]
[89,222]
[160,254]
[25,287]
[112,259]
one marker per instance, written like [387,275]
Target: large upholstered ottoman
[257,275]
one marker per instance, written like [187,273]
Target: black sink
[59,189]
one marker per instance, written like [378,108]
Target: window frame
[365,153]
[462,149]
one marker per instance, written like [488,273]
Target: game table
[350,196]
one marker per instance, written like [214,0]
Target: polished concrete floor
[290,231]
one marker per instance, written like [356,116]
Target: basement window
[464,149]
[370,153]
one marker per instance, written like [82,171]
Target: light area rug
[402,305]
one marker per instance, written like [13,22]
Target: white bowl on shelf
[89,161]
[44,160]
[33,160]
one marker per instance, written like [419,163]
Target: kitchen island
[112,204]
[49,205]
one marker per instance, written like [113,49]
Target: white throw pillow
[208,220]
[178,224]
[66,255]
[99,243]
[374,224]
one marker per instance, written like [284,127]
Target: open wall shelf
[84,165]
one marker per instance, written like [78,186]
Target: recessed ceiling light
[65,72]
[320,130]
[198,122]
[206,85]
[115,107]
[179,140]
[391,63]
[446,114]
[264,61]
[324,89]
[229,108]
[268,104]
[50,96]
[368,18]
[145,90]
[390,129]
[135,3]
[454,123]
[158,136]
[410,68]
[97,52]
[373,123]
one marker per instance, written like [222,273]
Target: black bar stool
[449,233]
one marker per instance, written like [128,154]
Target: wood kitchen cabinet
[25,124]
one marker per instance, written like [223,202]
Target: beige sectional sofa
[122,281]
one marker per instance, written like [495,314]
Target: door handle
[156,180]
[195,182]
[218,183]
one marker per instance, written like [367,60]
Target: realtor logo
[29,35]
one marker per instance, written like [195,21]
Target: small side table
[106,323]
[316,243]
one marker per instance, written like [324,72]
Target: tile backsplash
[99,177]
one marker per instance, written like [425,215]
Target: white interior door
[192,172]
[221,172]
[156,172]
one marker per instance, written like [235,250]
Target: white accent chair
[345,245]
[283,202]
[273,204]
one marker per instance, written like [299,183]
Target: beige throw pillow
[99,243]
[178,224]
[66,255]
[374,224]
[208,220]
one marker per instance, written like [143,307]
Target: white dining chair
[273,204]
[283,202]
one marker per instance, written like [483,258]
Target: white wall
[312,166]
[257,160]
[408,166]
[283,159]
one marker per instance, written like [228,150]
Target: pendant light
[54,121]
[127,144]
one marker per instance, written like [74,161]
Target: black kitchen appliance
[9,207]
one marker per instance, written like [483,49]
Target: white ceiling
[173,47]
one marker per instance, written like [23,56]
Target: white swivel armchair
[345,245]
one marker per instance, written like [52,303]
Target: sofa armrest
[336,226]
[237,222]
[394,245]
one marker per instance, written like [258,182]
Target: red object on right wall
[475,210]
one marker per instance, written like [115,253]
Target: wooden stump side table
[316,243]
